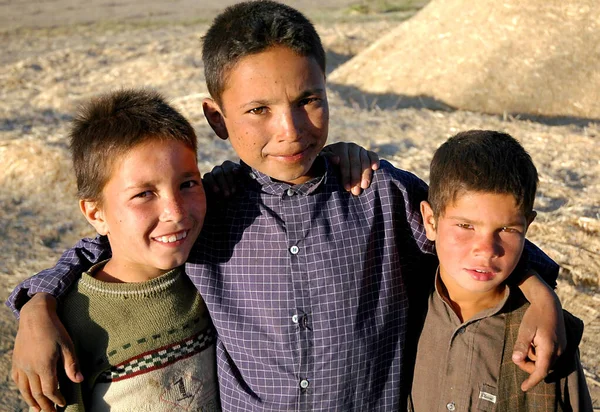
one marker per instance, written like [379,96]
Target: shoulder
[388,174]
[389,180]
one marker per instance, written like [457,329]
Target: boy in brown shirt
[480,205]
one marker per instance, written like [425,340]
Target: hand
[356,164]
[222,179]
[40,343]
[542,335]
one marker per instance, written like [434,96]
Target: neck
[468,304]
[112,272]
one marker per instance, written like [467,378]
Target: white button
[290,192]
[451,406]
[304,384]
[252,176]
[294,250]
[295,318]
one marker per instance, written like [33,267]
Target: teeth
[172,238]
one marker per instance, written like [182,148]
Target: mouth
[293,157]
[484,274]
[172,238]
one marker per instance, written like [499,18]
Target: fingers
[541,370]
[355,156]
[70,362]
[24,388]
[37,392]
[222,178]
[230,170]
[367,169]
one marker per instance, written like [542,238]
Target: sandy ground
[56,53]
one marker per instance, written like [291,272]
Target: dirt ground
[56,53]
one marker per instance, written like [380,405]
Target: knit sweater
[147,346]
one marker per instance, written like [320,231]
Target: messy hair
[252,27]
[113,123]
[481,161]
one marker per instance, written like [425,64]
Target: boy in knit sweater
[480,205]
[140,328]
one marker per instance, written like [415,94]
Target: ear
[215,118]
[94,215]
[428,220]
[530,218]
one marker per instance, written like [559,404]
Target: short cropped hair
[252,27]
[113,123]
[481,161]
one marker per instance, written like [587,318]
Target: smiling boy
[480,206]
[306,284]
[140,329]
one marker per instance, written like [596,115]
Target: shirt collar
[274,187]
[440,292]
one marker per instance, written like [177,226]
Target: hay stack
[539,57]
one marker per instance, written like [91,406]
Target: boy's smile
[274,111]
[478,240]
[152,210]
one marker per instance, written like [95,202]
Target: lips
[292,156]
[172,238]
[482,274]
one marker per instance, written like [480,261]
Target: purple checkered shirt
[307,287]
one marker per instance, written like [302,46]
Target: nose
[173,209]
[488,245]
[289,125]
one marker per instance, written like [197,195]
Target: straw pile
[537,57]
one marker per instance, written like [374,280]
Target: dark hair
[481,161]
[113,123]
[249,28]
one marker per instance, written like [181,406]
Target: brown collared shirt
[458,364]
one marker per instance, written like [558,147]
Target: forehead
[274,68]
[483,205]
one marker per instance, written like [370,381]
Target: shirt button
[295,318]
[294,250]
[451,406]
[252,176]
[304,384]
[290,192]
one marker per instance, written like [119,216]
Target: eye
[258,110]
[510,230]
[464,226]
[309,100]
[189,184]
[143,195]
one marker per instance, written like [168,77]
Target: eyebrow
[303,95]
[151,183]
[467,220]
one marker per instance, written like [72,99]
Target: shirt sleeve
[57,280]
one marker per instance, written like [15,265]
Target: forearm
[537,291]
[537,261]
[57,280]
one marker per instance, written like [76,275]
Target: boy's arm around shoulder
[42,341]
[405,192]
[57,280]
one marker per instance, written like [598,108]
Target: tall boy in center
[306,284]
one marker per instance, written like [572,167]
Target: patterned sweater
[146,346]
